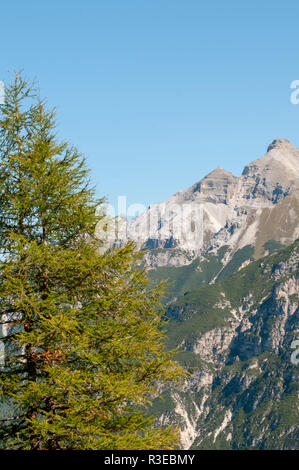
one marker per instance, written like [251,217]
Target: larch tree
[82,328]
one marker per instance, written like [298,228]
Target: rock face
[223,210]
[218,187]
[236,339]
[275,175]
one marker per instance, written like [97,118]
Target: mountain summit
[279,143]
[276,174]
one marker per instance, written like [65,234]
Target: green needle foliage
[83,339]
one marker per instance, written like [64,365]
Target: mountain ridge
[222,209]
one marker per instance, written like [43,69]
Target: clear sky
[157,93]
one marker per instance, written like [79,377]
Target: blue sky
[157,93]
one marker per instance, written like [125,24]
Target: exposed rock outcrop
[222,209]
[236,340]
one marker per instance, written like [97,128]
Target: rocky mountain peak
[219,172]
[276,174]
[223,210]
[279,144]
[217,186]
